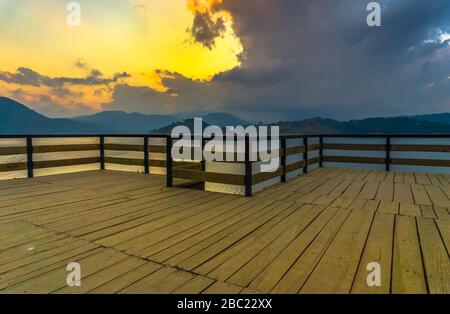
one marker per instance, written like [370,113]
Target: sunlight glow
[138,37]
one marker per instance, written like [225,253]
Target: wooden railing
[388,148]
[298,153]
[29,149]
[248,179]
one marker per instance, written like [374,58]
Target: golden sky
[133,36]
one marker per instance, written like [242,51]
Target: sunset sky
[259,59]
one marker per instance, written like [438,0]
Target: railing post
[321,151]
[305,155]
[283,159]
[102,152]
[388,153]
[169,162]
[146,156]
[202,162]
[30,157]
[248,169]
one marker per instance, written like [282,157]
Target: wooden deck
[315,234]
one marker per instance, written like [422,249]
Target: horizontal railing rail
[84,135]
[385,150]
[30,149]
[249,179]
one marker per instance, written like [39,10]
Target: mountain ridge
[135,122]
[16,118]
[124,122]
[391,125]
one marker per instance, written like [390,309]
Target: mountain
[443,118]
[16,118]
[187,122]
[223,119]
[219,119]
[311,126]
[190,114]
[140,123]
[123,122]
[397,125]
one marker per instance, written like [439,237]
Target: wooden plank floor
[315,234]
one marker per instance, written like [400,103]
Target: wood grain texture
[314,234]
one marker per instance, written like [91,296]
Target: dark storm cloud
[318,57]
[191,94]
[23,76]
[205,29]
[307,58]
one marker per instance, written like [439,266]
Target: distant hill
[396,125]
[141,123]
[127,122]
[443,118]
[187,122]
[219,119]
[190,114]
[399,125]
[329,126]
[224,119]
[16,118]
[311,126]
